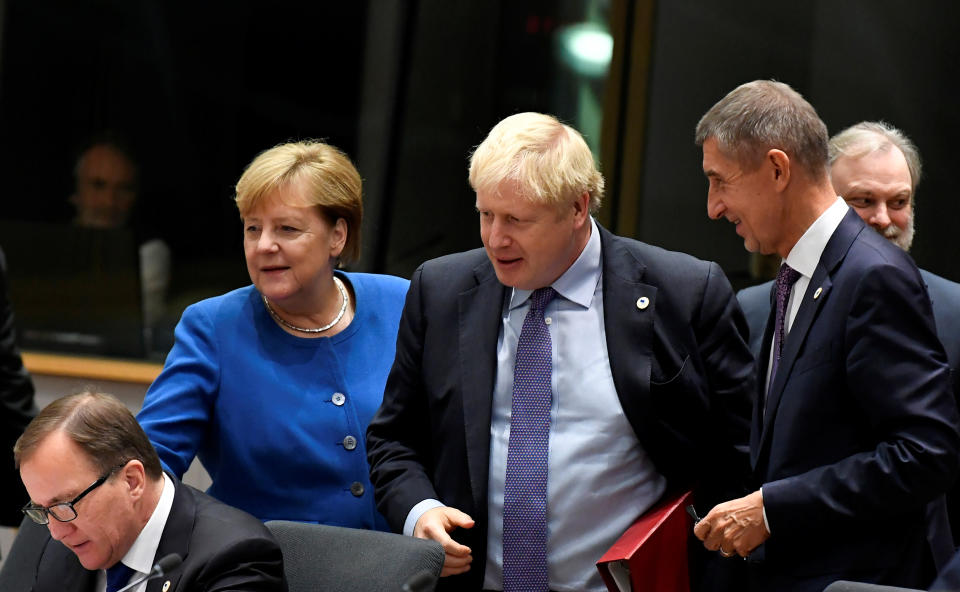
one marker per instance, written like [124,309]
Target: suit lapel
[629,328]
[833,254]
[763,363]
[479,317]
[176,535]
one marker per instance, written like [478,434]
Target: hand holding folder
[651,556]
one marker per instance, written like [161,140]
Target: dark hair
[762,115]
[97,422]
[111,139]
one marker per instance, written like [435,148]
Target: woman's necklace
[343,308]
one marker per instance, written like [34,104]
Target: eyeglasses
[64,511]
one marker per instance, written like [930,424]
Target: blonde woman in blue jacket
[272,385]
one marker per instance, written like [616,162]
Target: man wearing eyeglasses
[95,480]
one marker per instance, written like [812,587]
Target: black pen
[693,514]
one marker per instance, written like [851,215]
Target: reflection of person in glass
[273,385]
[106,188]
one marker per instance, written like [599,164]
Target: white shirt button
[339,399]
[548,320]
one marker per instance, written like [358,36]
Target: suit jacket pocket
[680,400]
[668,366]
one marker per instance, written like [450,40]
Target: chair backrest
[19,571]
[845,586]
[334,559]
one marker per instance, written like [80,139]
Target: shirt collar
[579,282]
[805,255]
[141,555]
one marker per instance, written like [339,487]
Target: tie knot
[541,297]
[787,277]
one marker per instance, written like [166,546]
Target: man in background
[106,185]
[549,388]
[106,190]
[95,480]
[855,426]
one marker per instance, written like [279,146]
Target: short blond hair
[329,181]
[549,161]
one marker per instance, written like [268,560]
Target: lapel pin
[643,302]
[817,293]
[166,586]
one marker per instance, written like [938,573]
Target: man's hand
[734,527]
[435,524]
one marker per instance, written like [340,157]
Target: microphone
[161,568]
[422,581]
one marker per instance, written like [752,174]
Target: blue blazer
[859,429]
[681,367]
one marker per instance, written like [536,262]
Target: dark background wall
[853,60]
[409,87]
[197,88]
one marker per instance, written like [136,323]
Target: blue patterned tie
[525,488]
[786,278]
[118,576]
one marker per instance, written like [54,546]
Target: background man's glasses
[64,511]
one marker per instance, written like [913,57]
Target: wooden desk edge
[92,368]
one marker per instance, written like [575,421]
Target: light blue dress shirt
[600,479]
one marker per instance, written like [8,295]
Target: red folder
[651,556]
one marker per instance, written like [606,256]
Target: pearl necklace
[343,308]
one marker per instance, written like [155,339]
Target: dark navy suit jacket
[945,298]
[681,367]
[859,430]
[16,409]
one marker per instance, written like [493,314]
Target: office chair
[20,566]
[335,559]
[845,586]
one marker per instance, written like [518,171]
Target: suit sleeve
[398,437]
[721,333]
[254,564]
[177,408]
[898,381]
[17,407]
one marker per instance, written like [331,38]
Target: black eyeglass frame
[41,514]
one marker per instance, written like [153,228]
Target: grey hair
[865,137]
[762,115]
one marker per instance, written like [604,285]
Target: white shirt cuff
[764,508]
